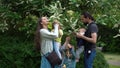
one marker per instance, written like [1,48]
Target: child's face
[68,53]
[81,31]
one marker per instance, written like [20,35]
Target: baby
[80,43]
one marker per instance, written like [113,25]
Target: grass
[113,66]
[113,57]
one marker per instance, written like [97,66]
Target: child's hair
[56,21]
[82,29]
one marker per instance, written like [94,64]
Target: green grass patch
[112,57]
[113,66]
[115,57]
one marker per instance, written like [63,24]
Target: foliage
[99,61]
[19,17]
[16,14]
[106,39]
[17,53]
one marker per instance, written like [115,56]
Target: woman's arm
[48,34]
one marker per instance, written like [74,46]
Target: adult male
[90,39]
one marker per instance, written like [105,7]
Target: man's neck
[90,21]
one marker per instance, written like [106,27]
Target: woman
[44,40]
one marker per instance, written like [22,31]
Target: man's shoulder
[92,25]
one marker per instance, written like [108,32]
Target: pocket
[88,53]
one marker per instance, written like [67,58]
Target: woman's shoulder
[43,30]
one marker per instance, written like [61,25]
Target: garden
[18,22]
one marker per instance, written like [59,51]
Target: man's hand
[79,35]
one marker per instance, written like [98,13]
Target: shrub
[18,53]
[99,61]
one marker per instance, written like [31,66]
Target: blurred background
[18,22]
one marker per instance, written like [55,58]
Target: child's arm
[72,50]
[65,43]
[61,32]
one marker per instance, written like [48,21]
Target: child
[57,41]
[79,44]
[69,57]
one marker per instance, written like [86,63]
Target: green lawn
[113,66]
[113,57]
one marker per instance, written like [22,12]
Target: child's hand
[69,46]
[68,39]
[79,35]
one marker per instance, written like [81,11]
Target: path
[112,62]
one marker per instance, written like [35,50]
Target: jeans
[89,56]
[45,63]
[57,49]
[79,51]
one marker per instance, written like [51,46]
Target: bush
[99,61]
[18,53]
[106,40]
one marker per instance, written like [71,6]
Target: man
[90,39]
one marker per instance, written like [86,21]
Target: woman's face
[44,21]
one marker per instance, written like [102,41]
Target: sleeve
[62,47]
[73,52]
[94,28]
[51,35]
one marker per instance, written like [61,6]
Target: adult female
[44,40]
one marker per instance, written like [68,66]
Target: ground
[113,60]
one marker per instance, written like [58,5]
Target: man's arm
[93,38]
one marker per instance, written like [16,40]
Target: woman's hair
[88,15]
[37,37]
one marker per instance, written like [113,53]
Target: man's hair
[88,15]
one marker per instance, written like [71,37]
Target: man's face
[84,20]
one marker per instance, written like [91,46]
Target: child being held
[57,41]
[80,43]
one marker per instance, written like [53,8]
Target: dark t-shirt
[92,28]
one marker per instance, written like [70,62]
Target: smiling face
[44,21]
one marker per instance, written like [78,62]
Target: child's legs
[57,49]
[79,51]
